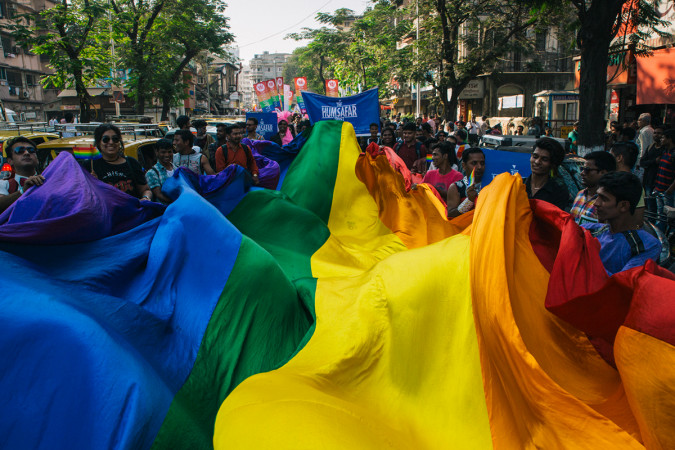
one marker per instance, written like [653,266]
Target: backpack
[418,148]
[632,236]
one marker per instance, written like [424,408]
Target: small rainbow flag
[459,150]
[86,152]
[429,158]
[472,178]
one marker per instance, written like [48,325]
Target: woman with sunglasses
[22,156]
[116,169]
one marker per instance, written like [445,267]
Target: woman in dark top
[123,172]
[544,183]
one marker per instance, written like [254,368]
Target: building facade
[21,70]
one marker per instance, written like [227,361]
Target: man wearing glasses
[597,164]
[22,156]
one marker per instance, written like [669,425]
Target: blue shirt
[615,250]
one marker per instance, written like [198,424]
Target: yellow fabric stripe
[393,362]
[358,238]
[646,367]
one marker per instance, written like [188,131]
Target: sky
[261,25]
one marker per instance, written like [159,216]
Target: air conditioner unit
[25,94]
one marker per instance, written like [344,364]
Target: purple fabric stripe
[71,207]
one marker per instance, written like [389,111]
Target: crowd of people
[611,205]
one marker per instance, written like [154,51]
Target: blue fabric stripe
[98,337]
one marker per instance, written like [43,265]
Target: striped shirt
[583,209]
[666,173]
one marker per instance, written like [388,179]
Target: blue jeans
[662,200]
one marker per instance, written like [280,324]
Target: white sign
[234,96]
[475,89]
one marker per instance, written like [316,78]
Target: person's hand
[414,186]
[35,180]
[256,179]
[471,193]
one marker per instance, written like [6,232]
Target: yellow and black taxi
[138,142]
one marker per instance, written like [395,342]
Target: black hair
[374,125]
[221,124]
[98,134]
[444,133]
[628,150]
[555,150]
[68,116]
[199,123]
[448,149]
[603,160]
[471,151]
[670,134]
[624,186]
[9,143]
[255,121]
[185,135]
[426,127]
[228,130]
[181,121]
[462,134]
[628,132]
[164,143]
[410,127]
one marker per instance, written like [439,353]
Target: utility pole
[417,52]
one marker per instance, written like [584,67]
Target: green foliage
[356,50]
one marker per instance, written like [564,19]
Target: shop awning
[73,93]
[656,78]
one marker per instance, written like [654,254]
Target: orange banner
[332,88]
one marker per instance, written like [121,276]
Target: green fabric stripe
[318,160]
[266,312]
[256,327]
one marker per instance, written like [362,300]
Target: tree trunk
[594,39]
[82,95]
[166,106]
[140,96]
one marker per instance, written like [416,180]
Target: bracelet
[145,196]
[466,206]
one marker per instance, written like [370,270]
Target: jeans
[662,200]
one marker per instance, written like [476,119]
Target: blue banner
[267,123]
[500,161]
[360,110]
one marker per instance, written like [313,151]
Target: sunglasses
[20,150]
[106,139]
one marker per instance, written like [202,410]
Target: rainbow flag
[86,152]
[472,177]
[309,316]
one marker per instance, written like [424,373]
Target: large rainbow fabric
[341,310]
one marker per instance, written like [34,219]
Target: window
[6,44]
[30,80]
[14,78]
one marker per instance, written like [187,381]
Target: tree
[600,21]
[363,53]
[139,44]
[188,28]
[69,34]
[460,40]
[304,62]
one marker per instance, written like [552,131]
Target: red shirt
[240,155]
